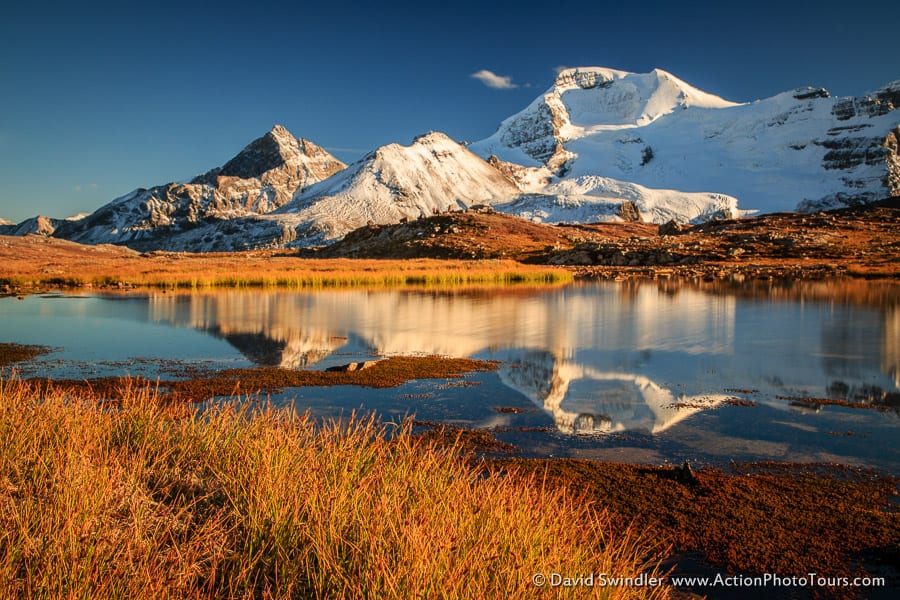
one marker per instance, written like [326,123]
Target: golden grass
[246,501]
[314,273]
[34,262]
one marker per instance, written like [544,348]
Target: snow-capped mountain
[262,177]
[598,141]
[433,174]
[436,174]
[800,149]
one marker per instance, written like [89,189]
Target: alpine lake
[650,372]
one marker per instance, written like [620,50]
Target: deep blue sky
[99,98]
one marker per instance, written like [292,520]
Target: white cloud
[492,80]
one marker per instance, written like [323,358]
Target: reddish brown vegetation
[202,386]
[758,518]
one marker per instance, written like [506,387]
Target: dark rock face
[264,154]
[811,94]
[586,80]
[272,152]
[849,152]
[535,133]
[881,103]
[891,179]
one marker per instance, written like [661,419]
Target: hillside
[862,241]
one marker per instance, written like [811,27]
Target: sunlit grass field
[248,501]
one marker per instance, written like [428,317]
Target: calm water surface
[630,372]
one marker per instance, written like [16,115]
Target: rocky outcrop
[536,133]
[875,105]
[279,161]
[352,367]
[619,254]
[628,212]
[846,153]
[892,159]
[671,228]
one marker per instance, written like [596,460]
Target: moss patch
[10,352]
[390,372]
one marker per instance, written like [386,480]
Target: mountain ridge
[261,177]
[799,149]
[596,141]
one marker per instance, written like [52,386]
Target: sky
[99,98]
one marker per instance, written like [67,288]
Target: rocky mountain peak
[587,78]
[262,154]
[431,138]
[276,157]
[279,132]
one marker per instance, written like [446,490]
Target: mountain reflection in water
[598,358]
